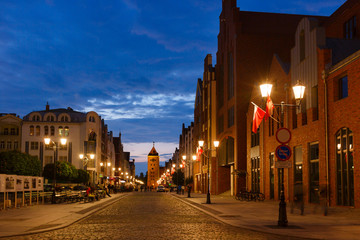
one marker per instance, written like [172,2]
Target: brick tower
[153,168]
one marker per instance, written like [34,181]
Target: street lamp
[201,145]
[298,90]
[86,159]
[55,148]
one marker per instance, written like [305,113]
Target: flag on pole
[269,108]
[257,118]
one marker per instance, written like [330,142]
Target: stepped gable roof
[342,48]
[153,151]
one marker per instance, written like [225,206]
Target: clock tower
[153,168]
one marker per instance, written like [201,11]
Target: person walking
[107,191]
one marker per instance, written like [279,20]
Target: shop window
[345,167]
[255,174]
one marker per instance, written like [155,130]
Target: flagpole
[264,111]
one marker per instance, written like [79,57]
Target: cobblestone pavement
[148,215]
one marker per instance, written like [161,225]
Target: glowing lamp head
[299,90]
[184,157]
[63,141]
[201,143]
[81,156]
[194,157]
[265,89]
[92,156]
[216,143]
[47,141]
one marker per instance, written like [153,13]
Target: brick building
[325,57]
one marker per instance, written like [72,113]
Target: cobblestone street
[149,216]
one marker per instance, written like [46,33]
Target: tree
[65,172]
[83,176]
[18,163]
[178,177]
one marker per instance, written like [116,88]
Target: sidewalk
[340,223]
[41,218]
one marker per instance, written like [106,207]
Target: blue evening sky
[134,62]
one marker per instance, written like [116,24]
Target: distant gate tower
[153,167]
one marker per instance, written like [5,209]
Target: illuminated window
[32,130]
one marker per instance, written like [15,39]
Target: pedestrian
[107,191]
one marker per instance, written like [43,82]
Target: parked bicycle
[250,196]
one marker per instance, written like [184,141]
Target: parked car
[160,188]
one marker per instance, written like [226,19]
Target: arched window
[32,131]
[66,131]
[52,130]
[345,167]
[36,118]
[64,119]
[37,130]
[46,130]
[50,118]
[61,131]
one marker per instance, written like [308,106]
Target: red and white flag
[257,118]
[269,108]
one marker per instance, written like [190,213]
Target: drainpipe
[324,75]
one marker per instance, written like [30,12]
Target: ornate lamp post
[298,90]
[55,148]
[208,150]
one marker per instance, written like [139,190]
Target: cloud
[139,106]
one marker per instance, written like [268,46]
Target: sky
[134,62]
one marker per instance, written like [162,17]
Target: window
[61,131]
[220,124]
[255,138]
[34,145]
[50,118]
[16,145]
[37,130]
[230,77]
[350,28]
[255,174]
[298,173]
[314,172]
[63,147]
[6,131]
[8,145]
[91,119]
[63,158]
[344,167]
[32,130]
[64,119]
[52,130]
[272,175]
[271,127]
[36,118]
[66,131]
[48,160]
[231,116]
[2,145]
[12,131]
[46,131]
[314,102]
[343,87]
[302,45]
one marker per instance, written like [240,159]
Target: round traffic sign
[283,152]
[283,135]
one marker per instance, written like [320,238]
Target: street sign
[283,152]
[283,135]
[282,164]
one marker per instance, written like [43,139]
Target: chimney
[47,106]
